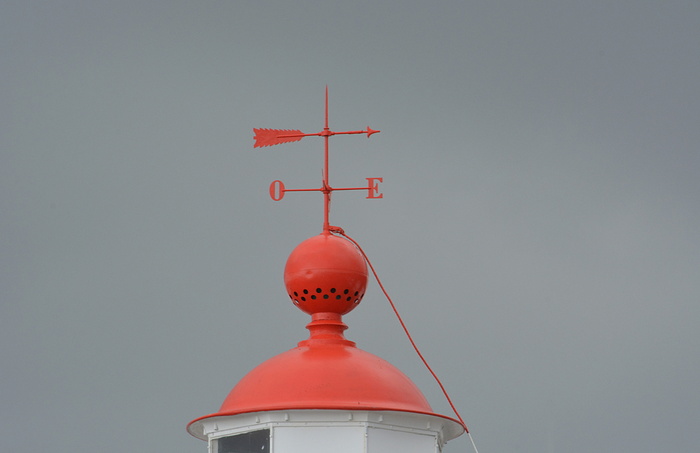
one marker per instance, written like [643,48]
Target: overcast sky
[539,231]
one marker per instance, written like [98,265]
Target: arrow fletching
[270,137]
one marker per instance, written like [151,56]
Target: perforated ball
[326,273]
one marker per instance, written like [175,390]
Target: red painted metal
[325,371]
[326,274]
[373,188]
[277,190]
[270,137]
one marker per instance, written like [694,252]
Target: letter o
[277,190]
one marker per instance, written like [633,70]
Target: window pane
[252,442]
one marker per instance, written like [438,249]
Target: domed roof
[325,373]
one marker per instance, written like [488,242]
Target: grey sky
[539,232]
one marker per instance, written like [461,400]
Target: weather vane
[270,137]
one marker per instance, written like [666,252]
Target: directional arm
[270,137]
[369,132]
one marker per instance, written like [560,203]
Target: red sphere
[326,273]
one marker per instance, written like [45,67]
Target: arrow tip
[371,131]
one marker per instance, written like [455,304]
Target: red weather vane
[270,137]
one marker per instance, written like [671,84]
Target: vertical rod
[326,186]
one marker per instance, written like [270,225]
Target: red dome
[325,372]
[325,377]
[326,274]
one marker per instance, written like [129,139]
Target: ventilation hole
[303,298]
[306,291]
[346,291]
[357,301]
[338,296]
[296,302]
[349,299]
[325,296]
[296,294]
[356,293]
[332,290]
[313,297]
[318,290]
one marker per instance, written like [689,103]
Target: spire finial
[270,137]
